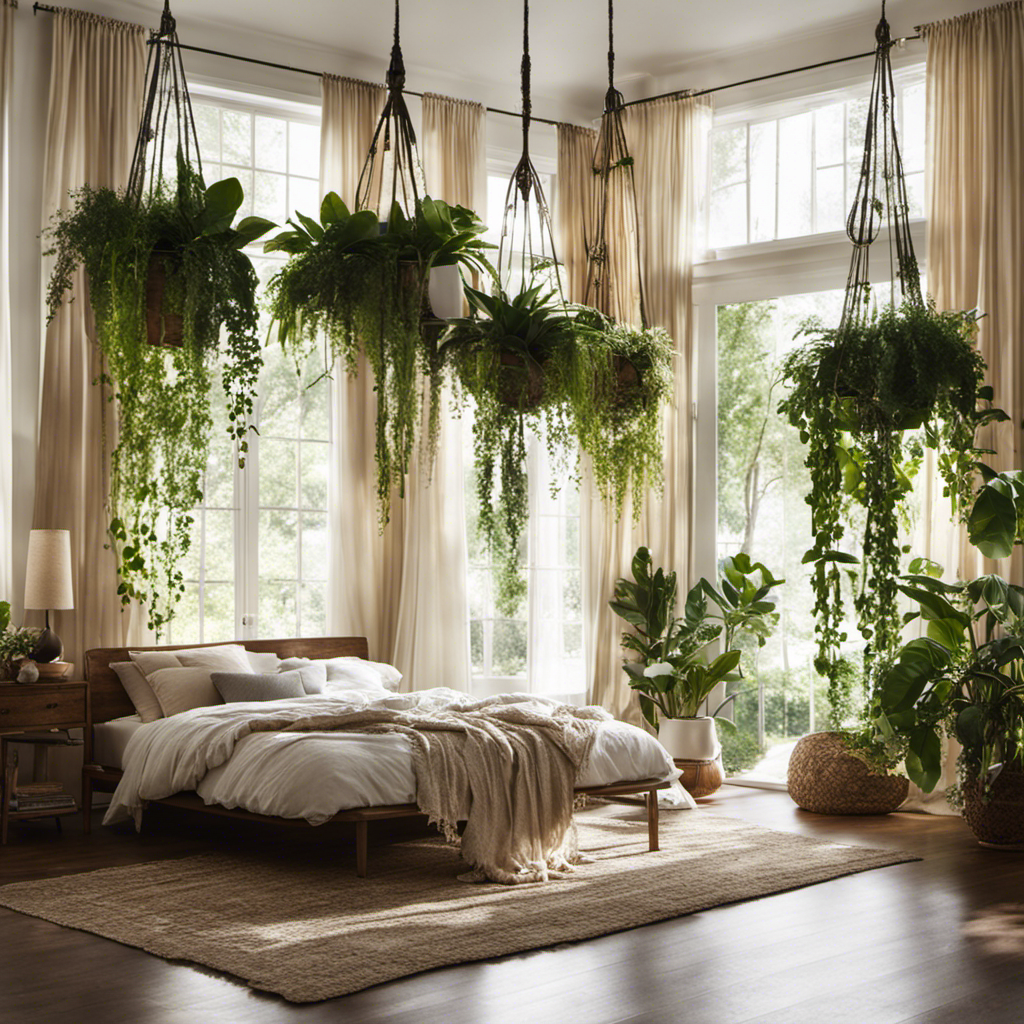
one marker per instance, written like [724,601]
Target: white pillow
[345,673]
[222,658]
[263,663]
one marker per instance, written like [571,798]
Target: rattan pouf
[824,777]
[999,821]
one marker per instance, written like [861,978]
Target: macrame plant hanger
[166,97]
[613,168]
[881,195]
[392,172]
[521,256]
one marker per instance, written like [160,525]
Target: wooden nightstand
[28,713]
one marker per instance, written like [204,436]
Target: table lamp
[48,584]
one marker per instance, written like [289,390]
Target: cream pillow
[150,661]
[182,689]
[223,658]
[138,689]
[263,663]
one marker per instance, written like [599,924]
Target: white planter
[691,739]
[444,289]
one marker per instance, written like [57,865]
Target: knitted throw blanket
[506,768]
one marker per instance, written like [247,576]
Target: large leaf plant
[675,673]
[361,286]
[161,395]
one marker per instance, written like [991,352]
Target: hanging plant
[868,397]
[617,414]
[517,357]
[362,286]
[174,301]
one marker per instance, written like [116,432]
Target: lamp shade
[48,571]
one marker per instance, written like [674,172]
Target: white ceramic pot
[691,739]
[444,290]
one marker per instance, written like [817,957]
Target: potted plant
[675,675]
[867,398]
[965,676]
[162,395]
[16,643]
[365,286]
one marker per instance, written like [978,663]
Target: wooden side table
[34,713]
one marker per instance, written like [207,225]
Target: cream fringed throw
[506,769]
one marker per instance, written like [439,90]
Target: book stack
[41,796]
[35,796]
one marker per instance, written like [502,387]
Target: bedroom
[261,566]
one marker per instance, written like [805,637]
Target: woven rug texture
[313,931]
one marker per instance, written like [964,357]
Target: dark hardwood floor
[939,940]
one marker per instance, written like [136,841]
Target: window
[795,173]
[540,647]
[781,180]
[259,557]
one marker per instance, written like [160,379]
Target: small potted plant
[15,643]
[675,675]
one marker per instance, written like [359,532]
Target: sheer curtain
[975,196]
[95,105]
[6,450]
[666,139]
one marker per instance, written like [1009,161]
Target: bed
[113,724]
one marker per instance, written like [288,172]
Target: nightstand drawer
[28,707]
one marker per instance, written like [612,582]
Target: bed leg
[86,804]
[652,820]
[361,847]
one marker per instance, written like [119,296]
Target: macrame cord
[881,195]
[612,162]
[166,95]
[521,256]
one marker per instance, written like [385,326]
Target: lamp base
[48,647]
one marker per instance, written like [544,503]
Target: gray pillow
[243,686]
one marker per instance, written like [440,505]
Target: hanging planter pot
[520,381]
[163,326]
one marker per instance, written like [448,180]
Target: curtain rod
[36,7]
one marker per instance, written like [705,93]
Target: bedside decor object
[29,671]
[48,585]
[15,643]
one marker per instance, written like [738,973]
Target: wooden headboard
[109,700]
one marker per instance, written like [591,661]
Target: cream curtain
[975,196]
[574,205]
[432,632]
[666,140]
[95,105]
[365,564]
[6,449]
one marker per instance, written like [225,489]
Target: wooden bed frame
[108,700]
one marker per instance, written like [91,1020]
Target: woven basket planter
[824,777]
[999,821]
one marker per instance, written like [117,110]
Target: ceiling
[478,41]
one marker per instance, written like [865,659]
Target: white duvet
[315,775]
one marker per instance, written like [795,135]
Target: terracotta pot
[824,777]
[520,381]
[694,747]
[162,328]
[997,822]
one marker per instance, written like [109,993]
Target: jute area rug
[312,930]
